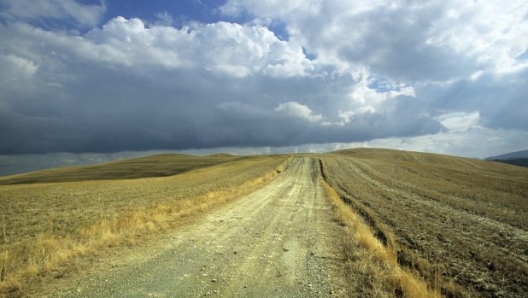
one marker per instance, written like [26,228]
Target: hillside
[512,155]
[521,162]
[460,223]
[50,230]
[519,158]
[161,165]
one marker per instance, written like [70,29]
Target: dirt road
[279,241]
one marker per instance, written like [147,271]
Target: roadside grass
[459,224]
[376,262]
[50,230]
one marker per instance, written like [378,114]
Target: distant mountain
[518,158]
[512,155]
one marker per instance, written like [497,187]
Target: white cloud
[228,48]
[422,40]
[472,143]
[237,71]
[290,63]
[490,31]
[18,77]
[460,121]
[164,19]
[477,142]
[348,116]
[298,110]
[17,66]
[84,15]
[271,8]
[253,47]
[363,93]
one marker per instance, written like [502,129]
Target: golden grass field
[48,228]
[418,225]
[161,165]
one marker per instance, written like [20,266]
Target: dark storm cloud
[131,113]
[252,127]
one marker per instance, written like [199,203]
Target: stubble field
[461,224]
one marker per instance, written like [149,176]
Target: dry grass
[377,262]
[49,229]
[461,224]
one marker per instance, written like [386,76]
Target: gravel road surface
[280,241]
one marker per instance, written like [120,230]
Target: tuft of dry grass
[49,229]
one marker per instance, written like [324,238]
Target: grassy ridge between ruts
[47,229]
[459,224]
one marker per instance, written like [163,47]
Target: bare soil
[280,241]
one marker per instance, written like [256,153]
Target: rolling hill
[518,158]
[512,155]
[161,165]
[55,220]
[459,222]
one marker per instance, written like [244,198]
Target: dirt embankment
[279,241]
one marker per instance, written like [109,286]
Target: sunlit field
[48,227]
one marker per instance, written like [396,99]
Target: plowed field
[460,223]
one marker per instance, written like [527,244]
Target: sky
[90,81]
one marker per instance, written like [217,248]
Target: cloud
[18,66]
[404,40]
[499,99]
[228,48]
[379,70]
[270,8]
[459,121]
[164,19]
[474,142]
[83,15]
[298,110]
